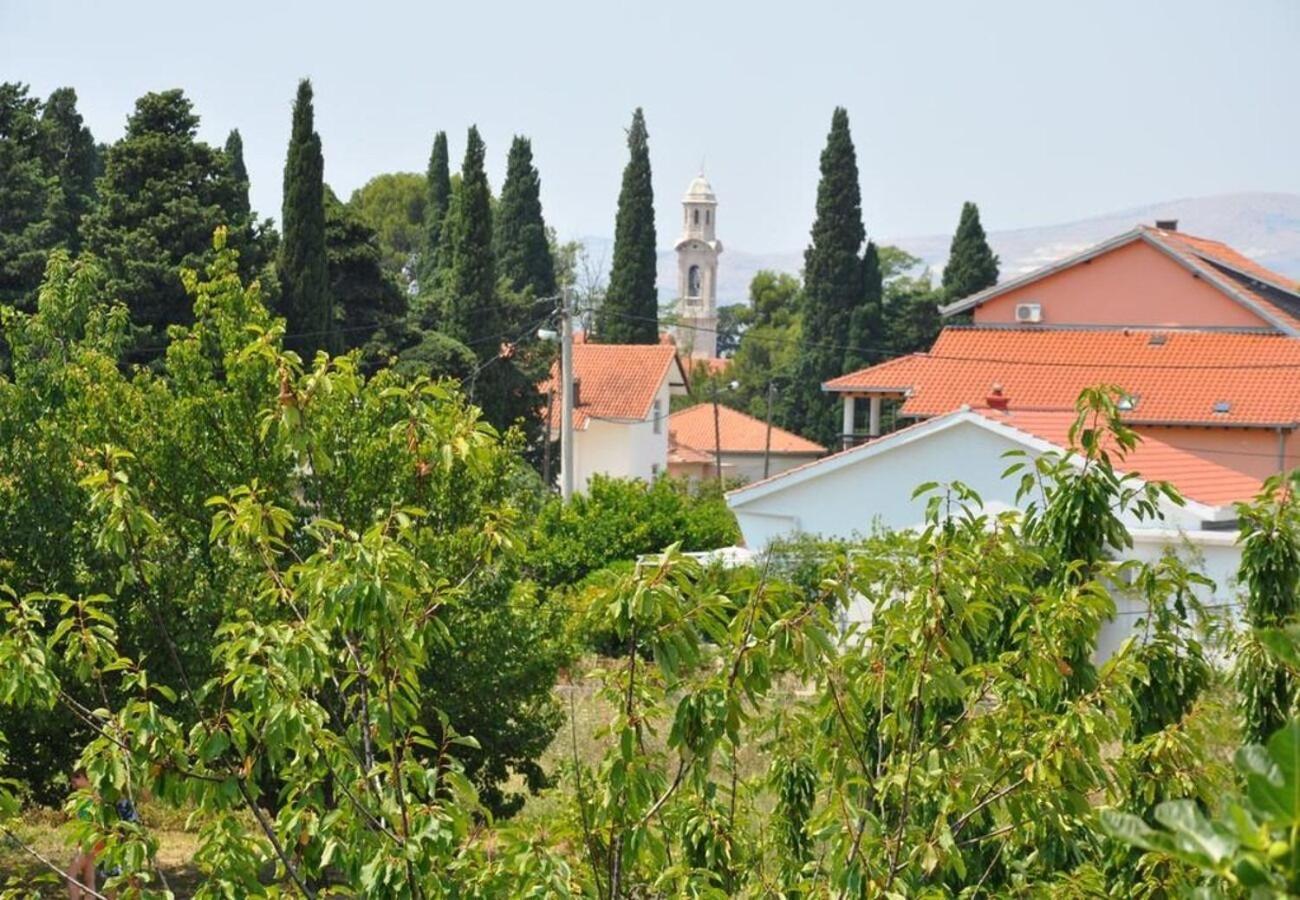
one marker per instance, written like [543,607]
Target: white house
[620,409]
[870,486]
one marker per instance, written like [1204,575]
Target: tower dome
[700,191]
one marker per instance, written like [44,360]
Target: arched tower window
[707,214]
[693,281]
[697,217]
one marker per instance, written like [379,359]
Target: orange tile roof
[677,453]
[1198,252]
[1179,380]
[1195,477]
[615,381]
[740,433]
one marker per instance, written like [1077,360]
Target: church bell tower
[697,272]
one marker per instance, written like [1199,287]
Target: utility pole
[767,443]
[566,396]
[717,437]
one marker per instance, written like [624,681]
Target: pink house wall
[1132,285]
[1252,451]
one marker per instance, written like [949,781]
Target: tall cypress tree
[833,276]
[630,311]
[304,274]
[971,267]
[238,171]
[471,314]
[523,255]
[70,156]
[436,205]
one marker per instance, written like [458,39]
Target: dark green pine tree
[523,255]
[866,322]
[367,297]
[630,311]
[436,205]
[972,266]
[26,194]
[238,171]
[832,286]
[162,194]
[304,272]
[72,157]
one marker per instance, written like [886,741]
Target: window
[654,471]
[655,412]
[707,214]
[693,281]
[697,217]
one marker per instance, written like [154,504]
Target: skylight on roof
[1222,406]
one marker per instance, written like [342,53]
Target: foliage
[392,206]
[306,301]
[437,202]
[162,194]
[70,155]
[329,483]
[629,312]
[523,254]
[833,286]
[1270,567]
[234,149]
[618,520]
[365,296]
[971,266]
[26,193]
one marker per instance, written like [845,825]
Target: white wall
[622,449]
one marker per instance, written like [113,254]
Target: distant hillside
[1265,227]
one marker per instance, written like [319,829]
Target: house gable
[1134,284]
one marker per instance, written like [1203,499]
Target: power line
[888,355]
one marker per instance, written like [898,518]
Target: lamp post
[717,430]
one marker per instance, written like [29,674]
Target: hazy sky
[1040,111]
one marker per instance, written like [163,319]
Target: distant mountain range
[1263,226]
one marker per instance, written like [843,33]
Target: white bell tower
[697,272]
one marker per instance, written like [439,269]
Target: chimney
[1167,224]
[577,393]
[996,399]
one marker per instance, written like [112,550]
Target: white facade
[870,488]
[624,448]
[697,272]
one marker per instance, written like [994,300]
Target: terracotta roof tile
[1195,477]
[615,381]
[740,433]
[1175,376]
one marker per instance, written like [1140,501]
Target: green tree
[70,156]
[238,171]
[523,253]
[304,270]
[911,304]
[972,266]
[436,205]
[470,311]
[366,298]
[866,322]
[393,206]
[27,196]
[832,285]
[774,297]
[629,313]
[162,194]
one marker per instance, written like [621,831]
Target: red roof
[1176,377]
[740,433]
[616,381]
[1195,477]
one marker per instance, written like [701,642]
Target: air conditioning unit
[1029,312]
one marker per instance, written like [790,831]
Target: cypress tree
[971,267]
[630,311]
[866,322]
[304,273]
[436,206]
[238,172]
[71,157]
[470,314]
[833,276]
[523,255]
